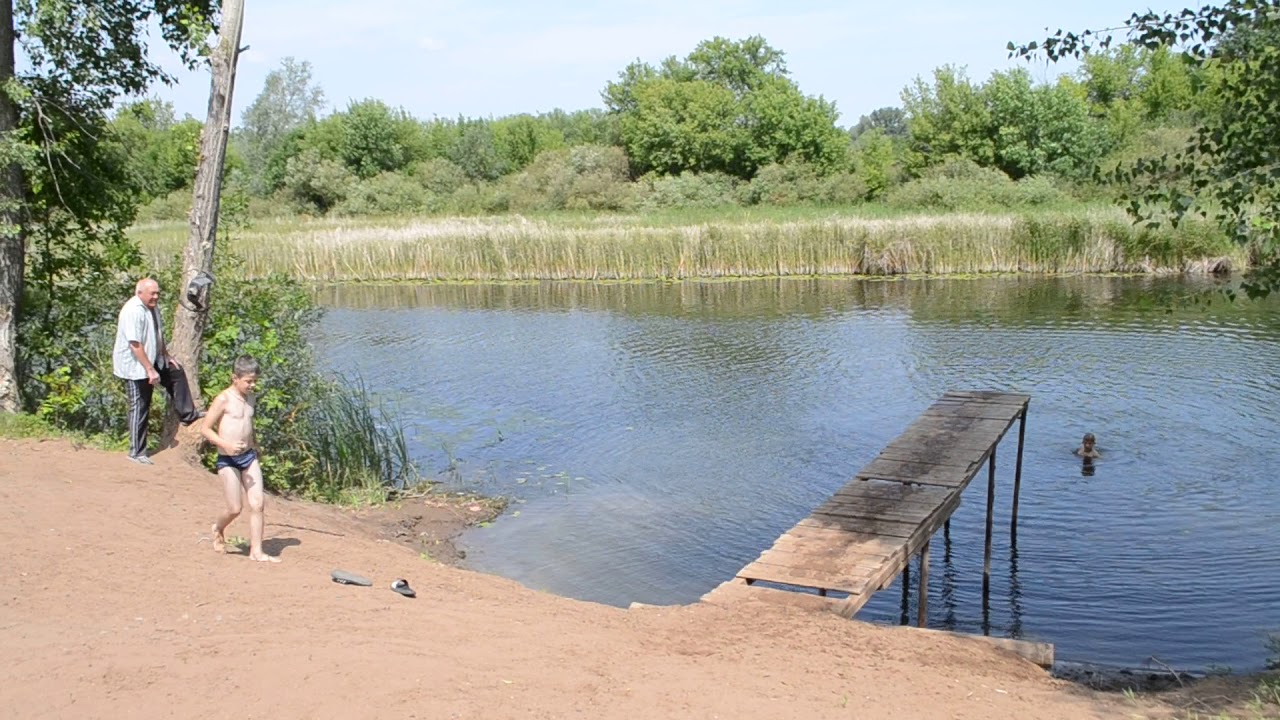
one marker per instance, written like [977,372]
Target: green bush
[314,184]
[385,194]
[687,190]
[799,183]
[964,185]
[439,176]
[585,177]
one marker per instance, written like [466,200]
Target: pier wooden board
[867,531]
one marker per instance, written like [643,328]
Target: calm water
[658,436]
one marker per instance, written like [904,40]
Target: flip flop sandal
[346,578]
[402,586]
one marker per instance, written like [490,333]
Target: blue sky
[448,58]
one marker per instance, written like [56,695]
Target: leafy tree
[683,126]
[727,107]
[1040,128]
[374,138]
[584,127]
[162,151]
[475,150]
[520,138]
[946,119]
[875,161]
[287,102]
[79,58]
[1230,169]
[891,121]
[314,183]
[1008,123]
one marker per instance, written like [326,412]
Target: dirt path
[113,604]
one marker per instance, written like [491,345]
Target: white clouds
[431,44]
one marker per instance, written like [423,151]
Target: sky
[489,59]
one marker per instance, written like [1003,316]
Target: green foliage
[521,138]
[875,159]
[688,190]
[947,119]
[799,183]
[681,127]
[287,102]
[964,185]
[586,177]
[161,151]
[385,194]
[1230,162]
[316,184]
[77,210]
[584,127]
[439,176]
[98,50]
[475,150]
[1008,123]
[374,138]
[356,443]
[891,121]
[728,107]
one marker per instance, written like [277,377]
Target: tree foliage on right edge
[1230,169]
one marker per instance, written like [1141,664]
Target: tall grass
[355,443]
[733,244]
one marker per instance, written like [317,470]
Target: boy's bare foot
[264,558]
[219,542]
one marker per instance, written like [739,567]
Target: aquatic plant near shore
[613,247]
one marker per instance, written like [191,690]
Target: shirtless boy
[232,415]
[1087,449]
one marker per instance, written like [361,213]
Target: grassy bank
[733,243]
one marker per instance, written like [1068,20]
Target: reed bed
[610,248]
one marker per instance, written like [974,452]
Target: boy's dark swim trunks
[239,462]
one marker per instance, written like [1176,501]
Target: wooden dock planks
[863,536]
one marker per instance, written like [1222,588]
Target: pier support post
[922,597]
[991,504]
[1017,478]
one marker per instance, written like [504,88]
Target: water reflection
[655,437]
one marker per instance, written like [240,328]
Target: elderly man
[141,359]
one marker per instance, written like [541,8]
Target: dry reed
[517,248]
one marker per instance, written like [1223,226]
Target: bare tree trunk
[189,321]
[12,237]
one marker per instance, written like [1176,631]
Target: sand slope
[113,604]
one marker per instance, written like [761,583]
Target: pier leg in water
[922,597]
[991,504]
[1017,479]
[906,591]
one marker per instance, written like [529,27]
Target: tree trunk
[189,321]
[12,237]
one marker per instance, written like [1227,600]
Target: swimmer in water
[1087,449]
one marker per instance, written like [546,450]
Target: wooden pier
[865,535]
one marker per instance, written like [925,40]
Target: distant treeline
[726,125]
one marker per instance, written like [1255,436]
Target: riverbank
[116,604]
[738,243]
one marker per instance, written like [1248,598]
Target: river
[655,437]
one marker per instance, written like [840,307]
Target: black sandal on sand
[346,578]
[402,586]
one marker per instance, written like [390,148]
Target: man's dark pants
[139,393]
